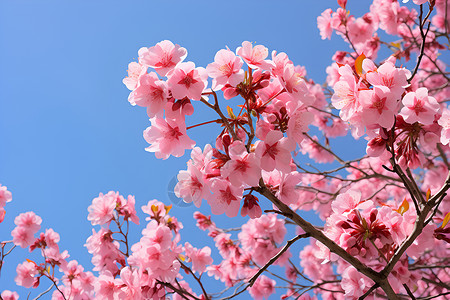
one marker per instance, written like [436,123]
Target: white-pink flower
[254,56]
[101,211]
[275,152]
[379,106]
[226,68]
[151,92]
[243,167]
[419,107]
[26,274]
[5,196]
[225,198]
[162,57]
[444,121]
[167,137]
[187,81]
[324,24]
[135,70]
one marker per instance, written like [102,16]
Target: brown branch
[273,259]
[331,245]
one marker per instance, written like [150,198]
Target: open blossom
[419,107]
[243,167]
[254,56]
[379,106]
[135,71]
[27,225]
[101,211]
[167,137]
[187,81]
[324,24]
[5,196]
[262,288]
[8,295]
[444,121]
[345,95]
[200,258]
[225,198]
[191,186]
[162,57]
[226,68]
[26,274]
[151,92]
[387,75]
[275,152]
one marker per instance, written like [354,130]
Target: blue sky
[68,133]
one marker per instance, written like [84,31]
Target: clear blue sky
[67,131]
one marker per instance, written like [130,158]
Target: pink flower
[251,207]
[288,192]
[226,68]
[298,124]
[22,236]
[135,70]
[101,211]
[151,93]
[275,152]
[345,95]
[262,288]
[200,258]
[191,186]
[8,295]
[379,106]
[387,75]
[29,220]
[295,86]
[243,167]
[254,56]
[444,121]
[26,274]
[167,137]
[354,283]
[5,196]
[162,57]
[226,198]
[187,81]
[324,24]
[419,107]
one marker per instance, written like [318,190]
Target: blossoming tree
[385,233]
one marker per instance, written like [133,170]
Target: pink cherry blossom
[324,24]
[191,186]
[419,107]
[389,76]
[151,93]
[379,106]
[226,68]
[243,167]
[26,274]
[254,56]
[163,57]
[444,121]
[101,211]
[8,295]
[135,71]
[167,137]
[274,152]
[200,257]
[5,195]
[298,124]
[225,198]
[262,288]
[346,93]
[187,81]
